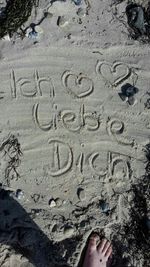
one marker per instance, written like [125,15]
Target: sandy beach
[74,132]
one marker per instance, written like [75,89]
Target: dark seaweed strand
[15,14]
[12,150]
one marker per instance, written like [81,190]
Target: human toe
[106,247]
[101,245]
[108,252]
[92,244]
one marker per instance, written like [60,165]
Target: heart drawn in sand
[114,73]
[77,85]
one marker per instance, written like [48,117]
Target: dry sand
[70,148]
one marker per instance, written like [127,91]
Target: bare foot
[97,255]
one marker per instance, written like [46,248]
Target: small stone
[129,90]
[81,12]
[127,93]
[34,32]
[62,21]
[19,194]
[52,203]
[104,206]
[32,35]
[6,37]
[68,231]
[81,194]
[135,15]
[77,2]
[38,29]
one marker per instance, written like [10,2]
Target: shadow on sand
[20,232]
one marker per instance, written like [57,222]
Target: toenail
[94,236]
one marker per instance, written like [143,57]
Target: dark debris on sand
[14,15]
[11,150]
[138,19]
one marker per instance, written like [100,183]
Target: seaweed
[15,14]
[138,20]
[12,153]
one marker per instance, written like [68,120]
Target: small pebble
[81,194]
[77,2]
[52,203]
[32,35]
[104,206]
[127,93]
[34,32]
[19,194]
[6,37]
[68,231]
[81,12]
[62,21]
[38,29]
[136,19]
[128,90]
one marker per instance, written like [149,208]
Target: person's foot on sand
[97,255]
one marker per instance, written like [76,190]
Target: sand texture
[71,146]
